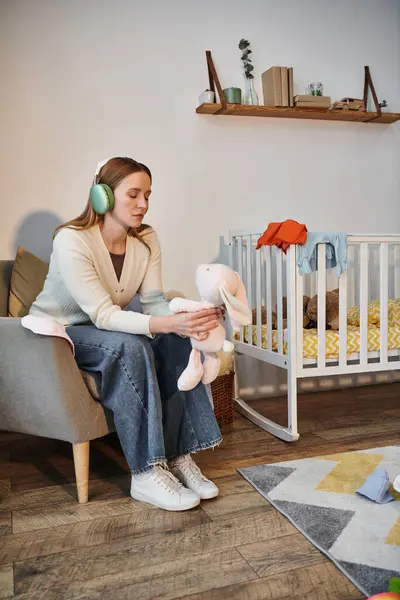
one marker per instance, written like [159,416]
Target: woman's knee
[173,348]
[129,345]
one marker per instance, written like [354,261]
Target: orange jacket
[283,235]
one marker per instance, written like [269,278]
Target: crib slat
[363,303]
[351,261]
[279,297]
[268,295]
[396,251]
[384,282]
[249,284]
[343,319]
[291,336]
[240,271]
[299,319]
[258,297]
[321,285]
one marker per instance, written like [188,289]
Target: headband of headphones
[100,165]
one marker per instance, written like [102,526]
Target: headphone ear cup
[101,198]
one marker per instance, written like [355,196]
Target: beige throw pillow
[27,281]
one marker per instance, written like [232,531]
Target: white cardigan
[81,284]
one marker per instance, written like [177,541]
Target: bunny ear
[240,291]
[237,306]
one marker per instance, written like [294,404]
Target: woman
[99,263]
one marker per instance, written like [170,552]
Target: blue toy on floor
[376,487]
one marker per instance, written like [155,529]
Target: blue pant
[138,383]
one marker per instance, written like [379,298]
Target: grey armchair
[42,391]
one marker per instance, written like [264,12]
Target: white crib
[269,275]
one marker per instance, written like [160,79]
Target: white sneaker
[160,488]
[188,473]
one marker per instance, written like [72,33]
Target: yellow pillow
[374,313]
[353,315]
[27,281]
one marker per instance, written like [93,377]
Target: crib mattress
[310,340]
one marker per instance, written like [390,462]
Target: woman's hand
[196,325]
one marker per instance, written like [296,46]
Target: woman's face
[132,199]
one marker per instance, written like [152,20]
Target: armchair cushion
[27,281]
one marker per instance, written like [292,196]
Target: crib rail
[275,290]
[267,274]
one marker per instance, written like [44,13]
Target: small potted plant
[250,95]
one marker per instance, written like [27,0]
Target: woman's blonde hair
[112,173]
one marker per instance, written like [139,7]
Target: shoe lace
[190,469]
[168,481]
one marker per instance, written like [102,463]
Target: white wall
[85,79]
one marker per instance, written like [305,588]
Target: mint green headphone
[101,195]
[101,198]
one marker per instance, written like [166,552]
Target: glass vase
[250,94]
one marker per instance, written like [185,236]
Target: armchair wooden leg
[81,462]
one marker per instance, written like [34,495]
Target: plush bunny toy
[217,285]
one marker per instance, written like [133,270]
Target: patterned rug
[318,496]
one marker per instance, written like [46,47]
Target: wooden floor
[236,547]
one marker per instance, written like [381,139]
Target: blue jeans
[155,422]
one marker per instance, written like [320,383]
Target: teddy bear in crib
[331,310]
[306,320]
[310,312]
[218,285]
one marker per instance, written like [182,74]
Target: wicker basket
[222,392]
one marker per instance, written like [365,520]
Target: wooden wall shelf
[321,114]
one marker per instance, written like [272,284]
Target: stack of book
[307,101]
[277,85]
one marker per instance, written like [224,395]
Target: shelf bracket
[213,77]
[368,83]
